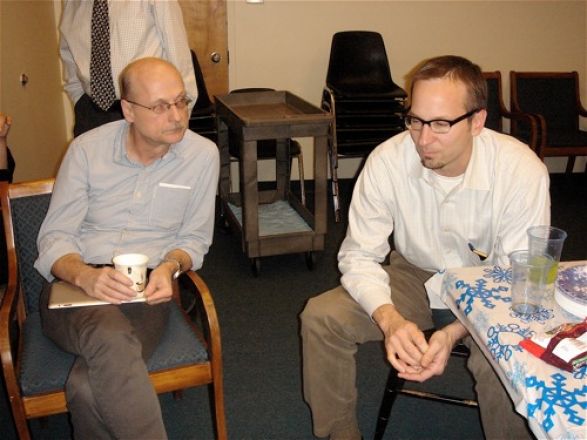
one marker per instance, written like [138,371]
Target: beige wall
[29,45]
[286,44]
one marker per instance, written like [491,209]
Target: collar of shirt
[121,156]
[477,174]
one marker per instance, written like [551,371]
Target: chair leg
[393,383]
[334,177]
[301,175]
[570,164]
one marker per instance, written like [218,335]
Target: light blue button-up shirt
[103,203]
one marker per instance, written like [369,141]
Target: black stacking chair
[203,117]
[497,112]
[267,148]
[396,386]
[35,369]
[366,104]
[554,97]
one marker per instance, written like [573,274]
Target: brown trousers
[109,393]
[333,324]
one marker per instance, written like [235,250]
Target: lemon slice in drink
[536,273]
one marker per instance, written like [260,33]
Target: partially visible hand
[106,284]
[160,286]
[434,359]
[404,341]
[5,123]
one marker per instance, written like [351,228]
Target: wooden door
[206,26]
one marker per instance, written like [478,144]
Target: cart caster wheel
[310,260]
[256,266]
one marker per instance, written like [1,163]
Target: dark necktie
[101,84]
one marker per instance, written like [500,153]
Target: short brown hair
[458,69]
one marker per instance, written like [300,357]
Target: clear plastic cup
[529,279]
[547,240]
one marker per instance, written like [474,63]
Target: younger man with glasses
[444,183]
[145,184]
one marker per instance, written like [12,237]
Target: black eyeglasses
[163,107]
[438,126]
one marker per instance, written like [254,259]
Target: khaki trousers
[333,324]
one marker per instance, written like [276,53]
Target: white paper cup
[133,266]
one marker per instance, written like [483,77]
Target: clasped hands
[407,349]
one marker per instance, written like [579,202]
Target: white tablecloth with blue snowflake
[554,401]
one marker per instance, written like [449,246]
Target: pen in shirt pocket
[482,255]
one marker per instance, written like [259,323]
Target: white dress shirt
[504,190]
[138,29]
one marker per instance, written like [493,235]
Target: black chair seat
[384,106]
[370,119]
[366,92]
[202,118]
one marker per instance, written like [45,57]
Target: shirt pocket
[168,205]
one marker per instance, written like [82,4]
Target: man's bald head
[141,72]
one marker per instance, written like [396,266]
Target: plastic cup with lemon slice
[547,240]
[530,275]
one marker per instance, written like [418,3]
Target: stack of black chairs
[368,107]
[203,117]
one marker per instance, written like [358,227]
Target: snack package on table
[564,346]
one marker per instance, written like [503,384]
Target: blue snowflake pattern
[581,373]
[556,396]
[481,292]
[499,274]
[517,375]
[542,315]
[499,350]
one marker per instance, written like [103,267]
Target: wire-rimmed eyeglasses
[164,107]
[438,126]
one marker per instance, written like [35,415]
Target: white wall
[286,44]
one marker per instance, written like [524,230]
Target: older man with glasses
[145,184]
[443,184]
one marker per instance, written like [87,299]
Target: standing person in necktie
[99,38]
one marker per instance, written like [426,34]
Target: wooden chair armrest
[10,336]
[209,318]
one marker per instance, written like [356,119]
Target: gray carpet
[261,346]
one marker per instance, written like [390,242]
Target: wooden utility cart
[272,222]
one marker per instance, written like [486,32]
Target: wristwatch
[177,272]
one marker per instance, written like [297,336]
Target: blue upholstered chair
[35,369]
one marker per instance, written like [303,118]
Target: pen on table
[477,252]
